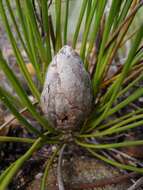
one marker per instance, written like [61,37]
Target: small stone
[38,176]
[54,148]
[141,99]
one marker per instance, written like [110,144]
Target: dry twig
[59,170]
[137,184]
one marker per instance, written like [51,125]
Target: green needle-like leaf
[80,19]
[58,25]
[66,22]
[18,55]
[21,93]
[112,145]
[46,172]
[16,139]
[9,174]
[23,121]
[116,164]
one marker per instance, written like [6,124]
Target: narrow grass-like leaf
[112,145]
[18,55]
[89,6]
[106,65]
[131,98]
[126,121]
[124,11]
[66,21]
[18,164]
[108,94]
[16,25]
[46,172]
[80,19]
[87,29]
[14,99]
[2,176]
[135,74]
[32,55]
[21,93]
[58,25]
[32,20]
[16,139]
[45,19]
[117,31]
[116,164]
[22,120]
[98,16]
[34,51]
[121,105]
[130,85]
[121,119]
[129,37]
[113,131]
[112,14]
[52,33]
[36,45]
[31,52]
[125,71]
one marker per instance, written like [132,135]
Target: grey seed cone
[67,98]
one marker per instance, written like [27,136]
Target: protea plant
[83,97]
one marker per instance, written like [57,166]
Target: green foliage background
[42,39]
